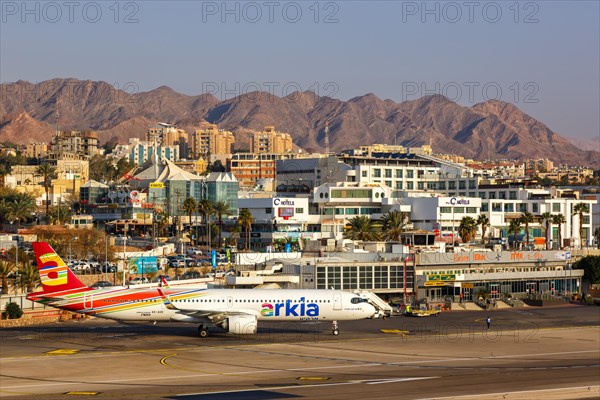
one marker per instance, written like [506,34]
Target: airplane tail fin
[54,273]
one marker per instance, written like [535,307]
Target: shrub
[12,311]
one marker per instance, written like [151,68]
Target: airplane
[234,310]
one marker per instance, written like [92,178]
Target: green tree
[515,227]
[467,229]
[189,206]
[221,208]
[29,277]
[547,219]
[591,267]
[21,208]
[526,219]
[47,172]
[205,208]
[597,235]
[60,214]
[245,219]
[393,223]
[580,209]
[5,269]
[559,219]
[363,228]
[484,222]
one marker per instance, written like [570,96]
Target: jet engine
[240,324]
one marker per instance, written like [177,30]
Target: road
[530,352]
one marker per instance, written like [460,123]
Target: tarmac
[550,353]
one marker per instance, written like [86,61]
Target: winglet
[164,282]
[166,300]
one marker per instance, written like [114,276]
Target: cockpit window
[356,300]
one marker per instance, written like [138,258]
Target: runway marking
[314,378]
[592,389]
[62,352]
[397,331]
[392,380]
[83,393]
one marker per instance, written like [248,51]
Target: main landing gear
[202,331]
[335,328]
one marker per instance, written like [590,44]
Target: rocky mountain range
[493,129]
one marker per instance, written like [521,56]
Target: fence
[21,300]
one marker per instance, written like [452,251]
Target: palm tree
[362,227]
[29,277]
[234,235]
[5,270]
[559,219]
[393,224]
[189,206]
[484,222]
[205,208]
[20,208]
[60,214]
[515,227]
[467,229]
[221,208]
[47,172]
[547,219]
[526,219]
[580,209]
[245,219]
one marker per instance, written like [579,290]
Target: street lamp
[106,257]
[70,242]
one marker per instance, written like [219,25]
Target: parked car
[108,268]
[160,277]
[101,284]
[190,275]
[139,280]
[81,267]
[194,251]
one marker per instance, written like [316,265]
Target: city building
[276,218]
[223,186]
[167,135]
[209,140]
[141,151]
[36,150]
[271,141]
[249,168]
[73,145]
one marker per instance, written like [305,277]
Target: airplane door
[229,301]
[337,301]
[88,301]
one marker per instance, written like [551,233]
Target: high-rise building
[271,141]
[210,140]
[169,135]
[74,145]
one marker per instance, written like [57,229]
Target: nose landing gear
[335,328]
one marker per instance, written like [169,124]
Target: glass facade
[364,277]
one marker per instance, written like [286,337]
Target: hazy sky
[543,56]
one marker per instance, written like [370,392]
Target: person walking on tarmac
[488,321]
